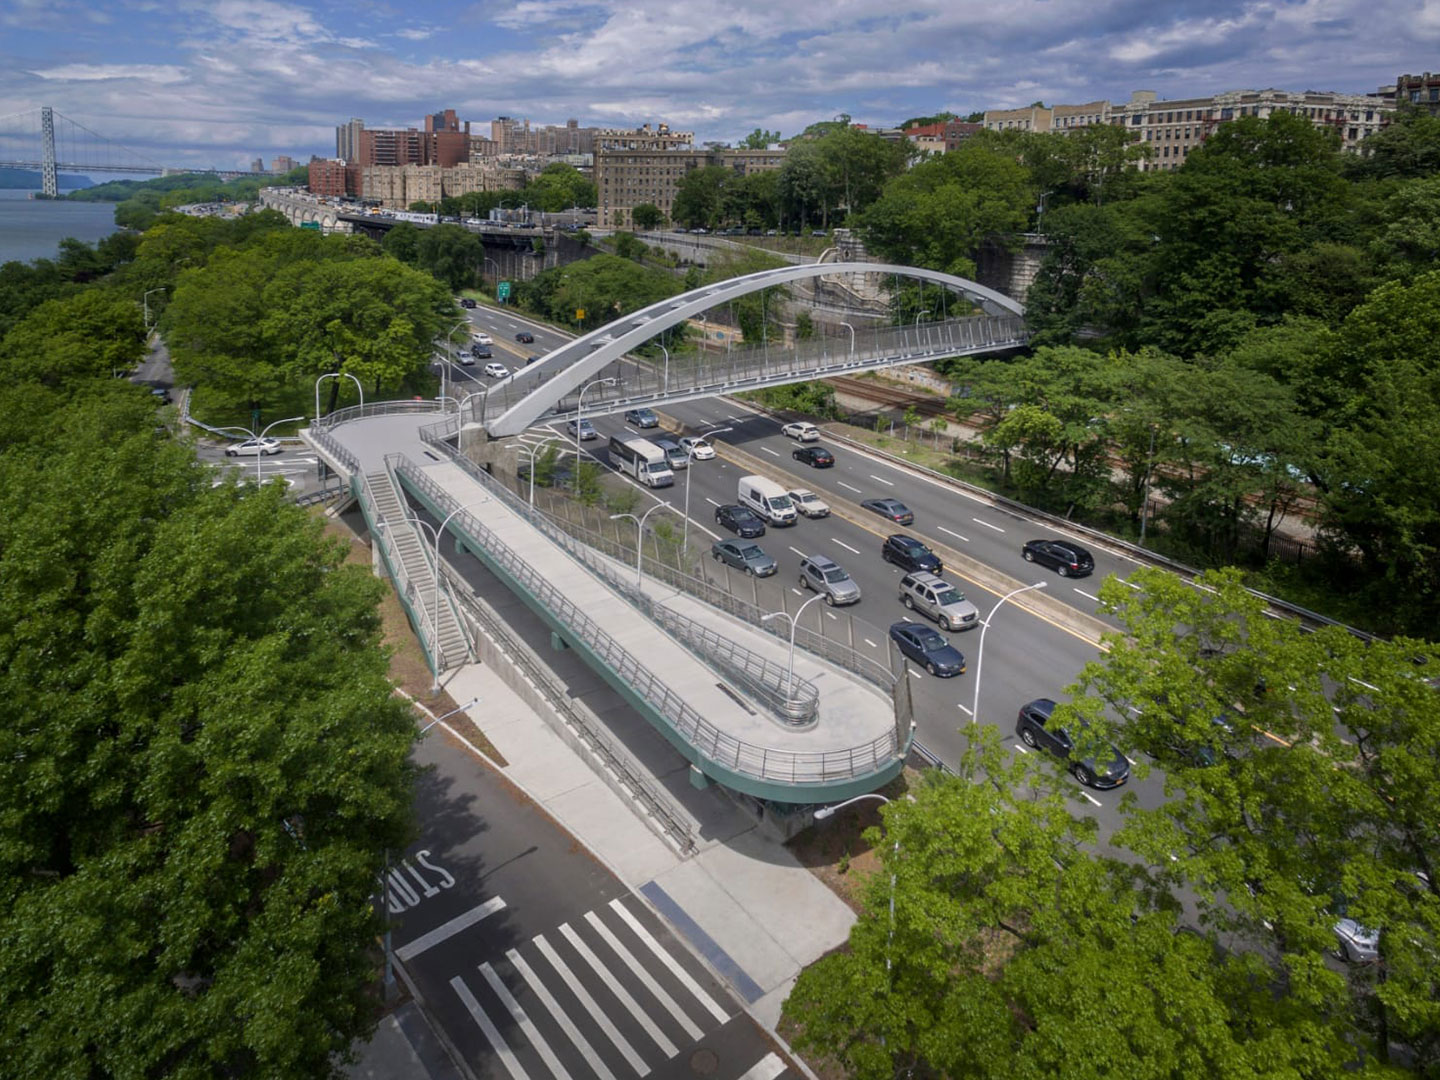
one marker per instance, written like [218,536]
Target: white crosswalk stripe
[691,1028]
[577,1038]
[497,1041]
[611,1031]
[669,961]
[518,1014]
[613,984]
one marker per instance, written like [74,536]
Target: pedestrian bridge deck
[715,686]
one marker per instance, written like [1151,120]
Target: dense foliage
[140,202]
[555,188]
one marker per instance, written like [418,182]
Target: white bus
[641,459]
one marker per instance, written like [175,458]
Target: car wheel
[1062,570]
[717,556]
[804,581]
[750,570]
[829,599]
[930,668]
[945,623]
[1083,775]
[1029,556]
[884,555]
[908,602]
[231,453]
[1028,736]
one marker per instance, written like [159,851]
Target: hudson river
[33,228]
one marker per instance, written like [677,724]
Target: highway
[1027,656]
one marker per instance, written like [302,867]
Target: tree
[202,770]
[1409,146]
[604,287]
[452,253]
[759,139]
[559,187]
[93,334]
[646,216]
[1298,783]
[697,197]
[925,121]
[402,242]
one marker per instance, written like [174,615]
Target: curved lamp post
[689,461]
[145,303]
[639,529]
[794,621]
[531,454]
[336,375]
[609,380]
[847,326]
[980,652]
[823,813]
[259,456]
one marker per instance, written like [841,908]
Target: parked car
[1035,727]
[161,395]
[744,555]
[1065,558]
[698,448]
[910,554]
[739,520]
[642,418]
[496,370]
[525,337]
[808,503]
[928,648]
[252,447]
[675,455]
[934,596]
[893,509]
[584,429]
[825,576]
[817,457]
[802,430]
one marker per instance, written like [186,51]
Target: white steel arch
[563,371]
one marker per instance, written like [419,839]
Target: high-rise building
[257,165]
[391,146]
[282,163]
[347,140]
[625,177]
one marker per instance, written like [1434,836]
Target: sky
[220,82]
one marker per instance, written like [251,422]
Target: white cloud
[155,73]
[414,34]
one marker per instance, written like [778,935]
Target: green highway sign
[502,291]
[310,225]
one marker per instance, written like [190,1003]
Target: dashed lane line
[954,534]
[987,525]
[847,547]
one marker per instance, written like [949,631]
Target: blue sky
[222,81]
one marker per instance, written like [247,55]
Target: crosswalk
[600,996]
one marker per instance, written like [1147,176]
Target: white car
[802,430]
[251,447]
[496,371]
[697,448]
[808,503]
[481,338]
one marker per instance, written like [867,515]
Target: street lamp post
[449,343]
[980,652]
[336,375]
[689,463]
[258,455]
[823,813]
[459,708]
[847,326]
[531,454]
[580,415]
[1145,494]
[794,621]
[145,302]
[665,385]
[640,531]
[918,314]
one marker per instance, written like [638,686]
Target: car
[479,352]
[466,302]
[910,554]
[744,555]
[817,457]
[1065,558]
[928,648]
[771,232]
[251,447]
[161,395]
[825,576]
[496,370]
[642,418]
[932,595]
[1036,729]
[818,232]
[808,503]
[893,509]
[467,360]
[740,520]
[481,338]
[525,337]
[697,448]
[530,360]
[675,455]
[583,428]
[801,430]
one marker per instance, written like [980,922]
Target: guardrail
[747,759]
[333,447]
[378,408]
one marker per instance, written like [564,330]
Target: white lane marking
[847,547]
[797,551]
[881,479]
[767,450]
[602,972]
[711,501]
[611,1031]
[767,1068]
[965,709]
[913,672]
[1092,798]
[518,1014]
[1087,595]
[1128,758]
[657,991]
[987,525]
[870,643]
[449,929]
[1128,584]
[670,962]
[849,486]
[796,591]
[492,1034]
[832,615]
[954,534]
[587,1052]
[1021,749]
[631,430]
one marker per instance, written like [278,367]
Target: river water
[33,228]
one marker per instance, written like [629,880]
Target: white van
[768,499]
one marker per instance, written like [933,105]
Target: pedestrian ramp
[604,996]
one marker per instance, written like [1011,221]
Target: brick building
[626,176]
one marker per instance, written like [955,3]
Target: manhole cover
[703,1062]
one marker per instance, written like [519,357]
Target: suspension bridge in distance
[50,141]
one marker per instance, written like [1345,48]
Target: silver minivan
[932,595]
[826,577]
[675,457]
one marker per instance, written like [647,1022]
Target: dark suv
[1034,725]
[1065,558]
[910,554]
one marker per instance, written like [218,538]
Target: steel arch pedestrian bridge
[550,389]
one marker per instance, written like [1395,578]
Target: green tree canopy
[93,333]
[646,216]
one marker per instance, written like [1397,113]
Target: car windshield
[806,498]
[836,575]
[949,596]
[780,502]
[929,640]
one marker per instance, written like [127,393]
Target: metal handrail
[380,529]
[335,449]
[375,408]
[737,755]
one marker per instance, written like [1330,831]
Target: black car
[1034,726]
[480,352]
[525,337]
[817,457]
[466,302]
[739,520]
[1065,558]
[928,648]
[910,554]
[893,509]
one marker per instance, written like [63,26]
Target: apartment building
[282,163]
[627,177]
[397,186]
[347,139]
[1421,91]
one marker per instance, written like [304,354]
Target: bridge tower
[49,182]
